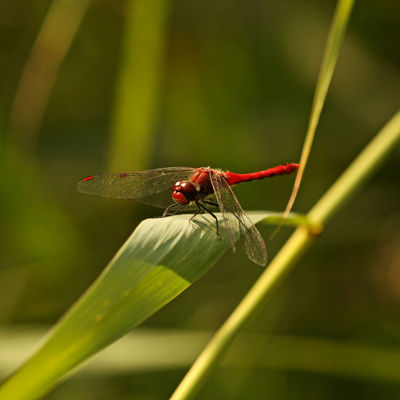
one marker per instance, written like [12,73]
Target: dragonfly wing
[252,241]
[223,194]
[153,187]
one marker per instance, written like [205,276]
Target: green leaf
[161,258]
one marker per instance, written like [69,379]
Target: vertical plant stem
[48,52]
[345,187]
[138,84]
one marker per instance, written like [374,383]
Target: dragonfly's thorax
[196,189]
[202,179]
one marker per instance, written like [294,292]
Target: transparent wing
[223,194]
[153,187]
[235,217]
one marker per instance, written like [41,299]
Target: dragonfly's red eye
[179,197]
[184,192]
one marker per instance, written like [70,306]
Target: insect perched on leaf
[202,187]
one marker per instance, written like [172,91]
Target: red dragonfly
[199,187]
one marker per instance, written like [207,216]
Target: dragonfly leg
[211,213]
[211,203]
[216,205]
[199,210]
[167,210]
[196,213]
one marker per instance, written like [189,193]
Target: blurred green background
[131,85]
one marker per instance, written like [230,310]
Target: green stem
[41,70]
[138,85]
[341,191]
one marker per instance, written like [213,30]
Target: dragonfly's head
[183,192]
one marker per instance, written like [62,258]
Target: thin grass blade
[331,53]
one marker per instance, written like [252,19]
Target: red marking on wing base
[88,178]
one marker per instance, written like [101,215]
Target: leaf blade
[161,258]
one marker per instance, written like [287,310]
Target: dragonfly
[179,188]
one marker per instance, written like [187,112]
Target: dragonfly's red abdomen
[283,169]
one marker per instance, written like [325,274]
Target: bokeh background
[92,87]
